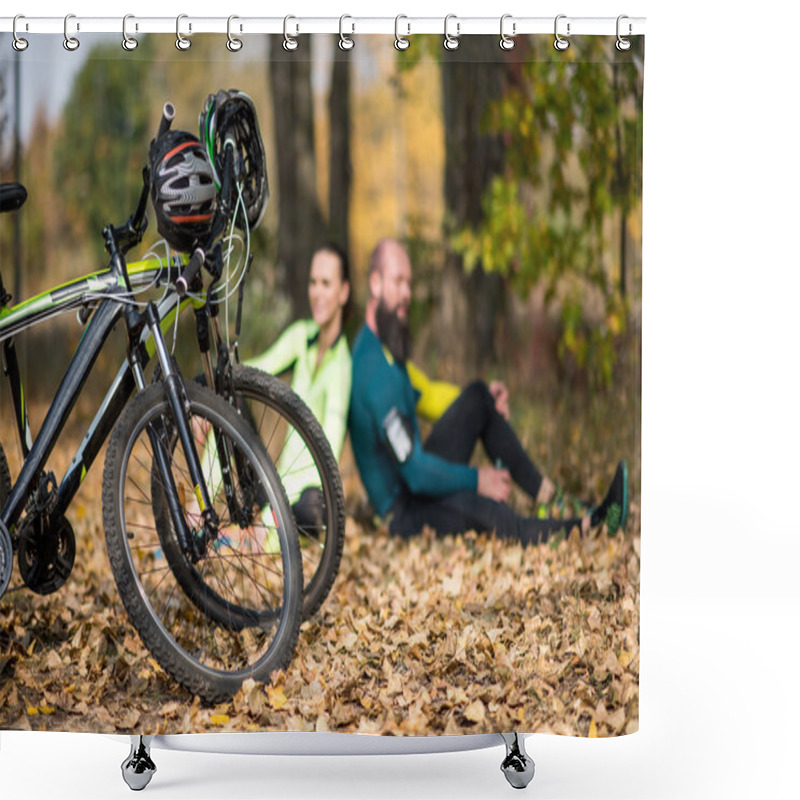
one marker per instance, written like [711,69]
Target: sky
[48,89]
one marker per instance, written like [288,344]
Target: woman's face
[327,292]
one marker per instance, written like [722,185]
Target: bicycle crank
[46,554]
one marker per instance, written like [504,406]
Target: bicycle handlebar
[167,115]
[192,268]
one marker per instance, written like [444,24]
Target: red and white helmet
[182,189]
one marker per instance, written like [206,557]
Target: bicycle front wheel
[176,601]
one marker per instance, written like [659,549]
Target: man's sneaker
[613,511]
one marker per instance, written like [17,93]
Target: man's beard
[393,332]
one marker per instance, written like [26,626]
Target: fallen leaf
[475,711]
[277,699]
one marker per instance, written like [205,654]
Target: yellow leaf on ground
[219,719]
[592,730]
[277,699]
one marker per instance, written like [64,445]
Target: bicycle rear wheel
[307,468]
[234,612]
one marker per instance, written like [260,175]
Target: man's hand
[499,391]
[494,483]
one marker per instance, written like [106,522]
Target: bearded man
[411,484]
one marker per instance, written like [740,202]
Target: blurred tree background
[513,177]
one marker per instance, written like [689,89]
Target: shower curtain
[508,184]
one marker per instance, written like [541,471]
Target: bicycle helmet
[182,189]
[232,115]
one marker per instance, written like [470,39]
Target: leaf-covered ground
[449,635]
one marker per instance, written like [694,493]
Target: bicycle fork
[190,544]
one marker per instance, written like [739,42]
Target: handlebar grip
[192,268]
[167,116]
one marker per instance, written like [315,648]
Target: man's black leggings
[471,418]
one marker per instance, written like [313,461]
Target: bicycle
[291,434]
[154,442]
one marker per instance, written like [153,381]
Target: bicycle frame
[74,294]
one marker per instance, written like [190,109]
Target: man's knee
[478,393]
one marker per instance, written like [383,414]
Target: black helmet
[232,115]
[182,189]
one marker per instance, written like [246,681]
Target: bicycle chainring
[6,558]
[46,554]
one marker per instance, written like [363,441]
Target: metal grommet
[18,43]
[128,42]
[561,43]
[70,42]
[400,42]
[622,43]
[451,42]
[289,42]
[345,42]
[181,42]
[507,42]
[233,44]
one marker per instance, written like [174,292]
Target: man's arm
[422,472]
[427,474]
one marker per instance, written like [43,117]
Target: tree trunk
[470,302]
[621,188]
[340,166]
[300,223]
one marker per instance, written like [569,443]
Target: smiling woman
[316,349]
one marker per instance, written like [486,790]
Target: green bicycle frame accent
[102,290]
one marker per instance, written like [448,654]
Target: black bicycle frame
[102,323]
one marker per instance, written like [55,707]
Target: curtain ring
[561,43]
[507,42]
[289,42]
[400,42]
[18,43]
[622,43]
[70,42]
[128,42]
[233,44]
[345,42]
[451,42]
[182,43]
